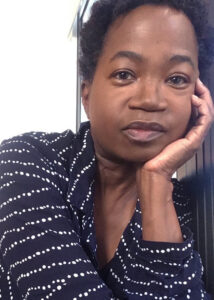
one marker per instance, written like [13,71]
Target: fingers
[203,92]
[205,115]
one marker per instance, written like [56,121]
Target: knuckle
[195,148]
[210,119]
[208,94]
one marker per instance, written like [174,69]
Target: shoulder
[50,147]
[53,141]
[34,162]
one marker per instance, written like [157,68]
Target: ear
[85,92]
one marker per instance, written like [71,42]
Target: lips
[144,131]
[148,126]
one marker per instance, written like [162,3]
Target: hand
[177,153]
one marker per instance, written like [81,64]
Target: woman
[96,215]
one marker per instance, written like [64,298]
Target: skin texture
[146,95]
[144,86]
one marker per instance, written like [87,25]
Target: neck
[115,184]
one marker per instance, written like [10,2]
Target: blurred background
[38,67]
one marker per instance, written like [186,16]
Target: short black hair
[105,12]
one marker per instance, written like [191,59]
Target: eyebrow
[138,58]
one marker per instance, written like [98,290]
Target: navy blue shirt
[47,233]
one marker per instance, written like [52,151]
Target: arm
[159,218]
[154,177]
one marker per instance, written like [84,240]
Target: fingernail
[200,82]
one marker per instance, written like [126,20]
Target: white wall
[37,67]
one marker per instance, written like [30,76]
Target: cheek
[182,117]
[102,116]
[104,109]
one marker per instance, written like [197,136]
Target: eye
[124,76]
[178,80]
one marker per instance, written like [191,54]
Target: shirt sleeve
[40,253]
[162,270]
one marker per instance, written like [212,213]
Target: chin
[137,158]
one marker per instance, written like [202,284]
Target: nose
[148,96]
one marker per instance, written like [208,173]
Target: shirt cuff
[165,251]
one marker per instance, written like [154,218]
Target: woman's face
[146,74]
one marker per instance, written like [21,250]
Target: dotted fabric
[47,233]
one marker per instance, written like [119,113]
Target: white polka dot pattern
[47,233]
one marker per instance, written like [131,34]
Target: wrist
[157,172]
[154,188]
[159,218]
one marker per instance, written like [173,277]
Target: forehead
[152,27]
